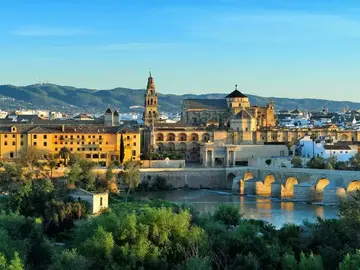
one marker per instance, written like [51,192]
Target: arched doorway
[319,188]
[287,191]
[229,180]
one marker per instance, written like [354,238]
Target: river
[271,210]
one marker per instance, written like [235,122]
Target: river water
[271,210]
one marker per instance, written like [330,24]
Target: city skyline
[276,49]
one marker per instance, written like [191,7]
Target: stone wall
[163,164]
[192,178]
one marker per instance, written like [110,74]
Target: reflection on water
[271,210]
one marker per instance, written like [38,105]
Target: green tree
[29,157]
[74,175]
[14,264]
[310,262]
[351,261]
[12,176]
[329,141]
[355,161]
[314,137]
[122,149]
[228,214]
[64,154]
[70,260]
[297,162]
[52,164]
[131,177]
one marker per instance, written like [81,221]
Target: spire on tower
[236,87]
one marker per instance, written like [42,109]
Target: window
[78,149]
[83,149]
[282,153]
[101,201]
[71,137]
[89,136]
[88,155]
[21,136]
[93,136]
[71,149]
[133,153]
[71,142]
[34,143]
[128,137]
[82,137]
[21,143]
[45,136]
[5,136]
[45,143]
[14,136]
[134,143]
[66,143]
[56,149]
[100,137]
[5,143]
[134,136]
[78,142]
[35,136]
[128,145]
[55,142]
[11,154]
[61,142]
[55,136]
[13,143]
[100,149]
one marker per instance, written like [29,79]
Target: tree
[297,162]
[14,264]
[52,165]
[355,161]
[329,141]
[70,260]
[29,157]
[122,149]
[131,177]
[314,137]
[64,154]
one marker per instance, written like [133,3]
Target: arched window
[101,201]
[152,101]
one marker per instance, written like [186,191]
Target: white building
[342,151]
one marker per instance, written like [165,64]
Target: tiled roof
[236,94]
[243,114]
[35,129]
[337,147]
[206,104]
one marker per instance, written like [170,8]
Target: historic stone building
[225,131]
[235,109]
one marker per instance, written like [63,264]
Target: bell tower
[151,109]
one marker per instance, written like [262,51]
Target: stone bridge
[307,185]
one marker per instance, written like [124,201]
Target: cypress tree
[122,149]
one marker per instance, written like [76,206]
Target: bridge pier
[250,187]
[236,187]
[304,192]
[333,195]
[276,190]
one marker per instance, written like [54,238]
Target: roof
[296,111]
[108,110]
[205,104]
[243,114]
[337,147]
[42,129]
[116,113]
[235,94]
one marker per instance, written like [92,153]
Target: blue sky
[287,48]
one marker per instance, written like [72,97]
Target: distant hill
[67,98]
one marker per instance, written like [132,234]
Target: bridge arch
[287,190]
[263,188]
[247,176]
[353,187]
[319,188]
[269,179]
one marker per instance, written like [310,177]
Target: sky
[281,48]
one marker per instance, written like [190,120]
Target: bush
[228,214]
[268,162]
[297,162]
[160,183]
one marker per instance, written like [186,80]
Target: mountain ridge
[59,97]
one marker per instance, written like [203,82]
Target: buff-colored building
[217,130]
[100,144]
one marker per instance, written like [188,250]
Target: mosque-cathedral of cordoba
[225,131]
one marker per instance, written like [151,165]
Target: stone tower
[116,118]
[108,118]
[151,110]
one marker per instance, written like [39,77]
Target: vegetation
[297,162]
[314,138]
[122,149]
[163,155]
[154,234]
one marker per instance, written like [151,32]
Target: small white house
[97,201]
[342,151]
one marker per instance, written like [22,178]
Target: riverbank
[272,210]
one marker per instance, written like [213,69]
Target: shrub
[268,162]
[296,162]
[228,214]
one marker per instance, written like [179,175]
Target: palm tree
[64,154]
[329,141]
[314,137]
[52,165]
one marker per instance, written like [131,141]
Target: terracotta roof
[236,94]
[206,104]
